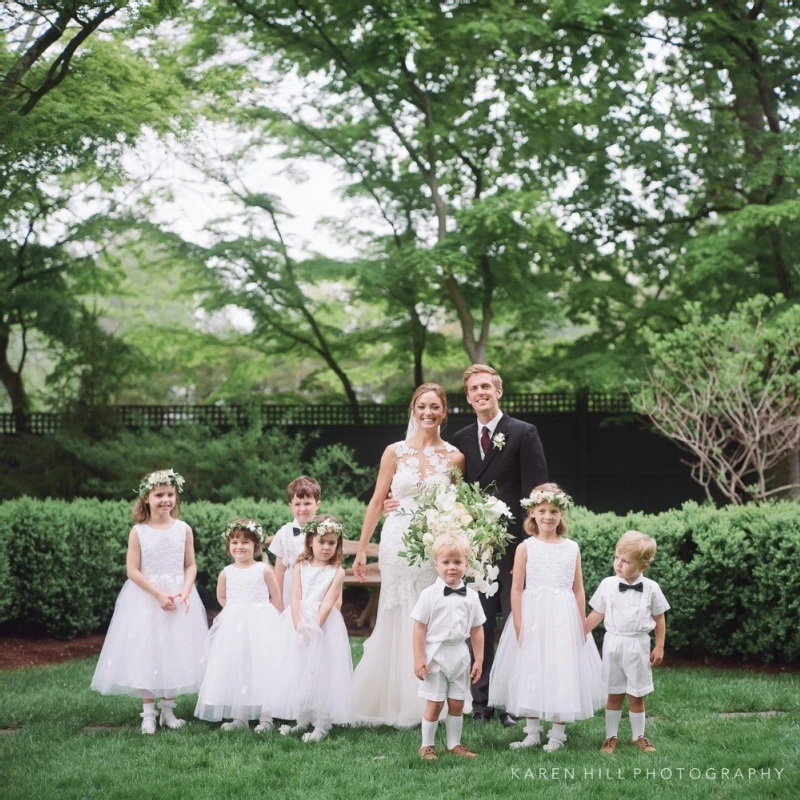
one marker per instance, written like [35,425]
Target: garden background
[235,236]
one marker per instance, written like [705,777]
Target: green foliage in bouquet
[465,510]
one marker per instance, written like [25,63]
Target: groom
[505,454]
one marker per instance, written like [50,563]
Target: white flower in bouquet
[497,508]
[446,500]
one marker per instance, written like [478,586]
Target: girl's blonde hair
[317,527]
[639,546]
[530,526]
[141,508]
[242,532]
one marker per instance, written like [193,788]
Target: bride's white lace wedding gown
[385,686]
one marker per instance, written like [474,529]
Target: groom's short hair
[475,369]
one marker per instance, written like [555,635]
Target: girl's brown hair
[141,508]
[313,527]
[530,526]
[242,532]
[429,387]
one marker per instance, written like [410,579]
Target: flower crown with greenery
[560,499]
[164,477]
[249,525]
[319,529]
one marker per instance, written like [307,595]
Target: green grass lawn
[72,743]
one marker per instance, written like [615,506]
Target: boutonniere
[499,440]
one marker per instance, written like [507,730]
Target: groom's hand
[390,504]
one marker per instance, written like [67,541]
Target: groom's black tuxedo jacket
[514,470]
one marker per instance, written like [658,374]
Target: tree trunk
[12,381]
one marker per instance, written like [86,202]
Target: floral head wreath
[560,499]
[319,529]
[249,525]
[164,477]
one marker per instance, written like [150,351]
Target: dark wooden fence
[313,416]
[606,456]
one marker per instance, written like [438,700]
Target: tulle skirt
[149,650]
[242,663]
[315,681]
[553,673]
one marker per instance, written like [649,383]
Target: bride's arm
[374,510]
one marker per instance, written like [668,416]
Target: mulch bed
[23,650]
[31,650]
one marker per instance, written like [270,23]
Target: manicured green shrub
[729,574]
[63,563]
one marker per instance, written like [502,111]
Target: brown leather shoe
[428,753]
[461,750]
[644,744]
[609,745]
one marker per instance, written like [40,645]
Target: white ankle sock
[637,724]
[429,732]
[453,726]
[612,723]
[533,731]
[317,735]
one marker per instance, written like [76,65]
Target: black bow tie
[624,587]
[297,531]
[462,591]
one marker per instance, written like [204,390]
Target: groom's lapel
[502,426]
[473,453]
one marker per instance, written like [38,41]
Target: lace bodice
[162,550]
[416,470]
[315,582]
[245,586]
[400,582]
[550,566]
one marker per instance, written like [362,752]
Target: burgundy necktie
[486,442]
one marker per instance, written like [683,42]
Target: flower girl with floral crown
[545,668]
[315,682]
[155,642]
[242,655]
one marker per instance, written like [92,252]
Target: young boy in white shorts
[446,614]
[631,606]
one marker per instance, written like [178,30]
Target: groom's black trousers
[499,603]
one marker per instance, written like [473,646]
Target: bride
[384,682]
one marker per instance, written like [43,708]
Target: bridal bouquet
[464,510]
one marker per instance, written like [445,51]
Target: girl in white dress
[314,685]
[155,641]
[242,657]
[386,689]
[545,667]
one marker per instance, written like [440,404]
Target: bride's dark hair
[429,387]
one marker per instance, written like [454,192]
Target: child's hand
[421,668]
[477,671]
[657,656]
[182,598]
[166,602]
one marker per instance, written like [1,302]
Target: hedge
[730,575]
